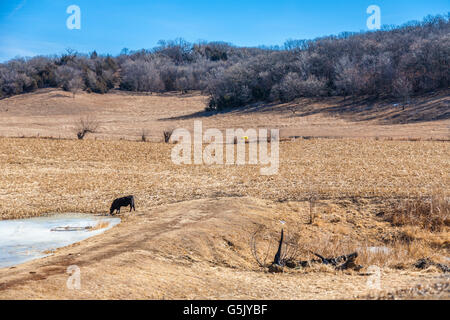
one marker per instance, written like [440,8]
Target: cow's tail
[132,203]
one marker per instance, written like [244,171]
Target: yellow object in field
[245,138]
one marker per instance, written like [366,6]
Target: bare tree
[141,76]
[74,85]
[86,125]
[403,89]
[348,78]
[349,64]
[65,74]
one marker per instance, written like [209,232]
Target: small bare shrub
[86,125]
[312,212]
[167,133]
[144,135]
[256,237]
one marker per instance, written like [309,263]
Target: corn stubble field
[191,234]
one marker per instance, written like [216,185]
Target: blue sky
[33,27]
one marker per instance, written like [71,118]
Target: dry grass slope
[54,113]
[200,249]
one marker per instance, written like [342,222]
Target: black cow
[122,202]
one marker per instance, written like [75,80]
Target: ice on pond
[28,239]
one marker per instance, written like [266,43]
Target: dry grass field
[191,234]
[42,175]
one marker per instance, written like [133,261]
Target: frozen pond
[28,239]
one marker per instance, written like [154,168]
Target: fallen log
[427,262]
[59,229]
[350,263]
[344,262]
[339,260]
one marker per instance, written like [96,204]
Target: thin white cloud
[16,47]
[18,7]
